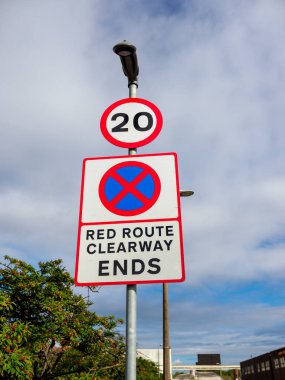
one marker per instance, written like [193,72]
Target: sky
[216,71]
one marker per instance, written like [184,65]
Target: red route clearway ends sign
[130,221]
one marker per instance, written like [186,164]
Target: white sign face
[130,253]
[166,205]
[131,123]
[130,221]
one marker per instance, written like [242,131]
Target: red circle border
[142,209]
[122,144]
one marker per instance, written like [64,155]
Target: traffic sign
[129,188]
[93,210]
[131,122]
[130,222]
[126,253]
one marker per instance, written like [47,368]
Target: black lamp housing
[127,53]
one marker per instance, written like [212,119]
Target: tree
[15,361]
[147,370]
[47,331]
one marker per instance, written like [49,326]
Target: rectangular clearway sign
[130,228]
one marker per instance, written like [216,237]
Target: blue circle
[129,202]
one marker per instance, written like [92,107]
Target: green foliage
[226,375]
[146,370]
[47,331]
[15,361]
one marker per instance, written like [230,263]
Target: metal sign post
[131,298]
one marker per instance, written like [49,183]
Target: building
[208,359]
[268,366]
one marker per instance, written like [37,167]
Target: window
[267,365]
[258,367]
[276,363]
[262,366]
[282,361]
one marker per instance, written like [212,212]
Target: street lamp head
[127,53]
[124,48]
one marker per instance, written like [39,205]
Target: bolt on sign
[130,221]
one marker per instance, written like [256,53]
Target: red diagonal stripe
[129,187]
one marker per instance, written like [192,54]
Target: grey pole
[127,53]
[131,332]
[131,323]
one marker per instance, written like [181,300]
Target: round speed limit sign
[131,122]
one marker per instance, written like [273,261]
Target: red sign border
[178,219]
[122,144]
